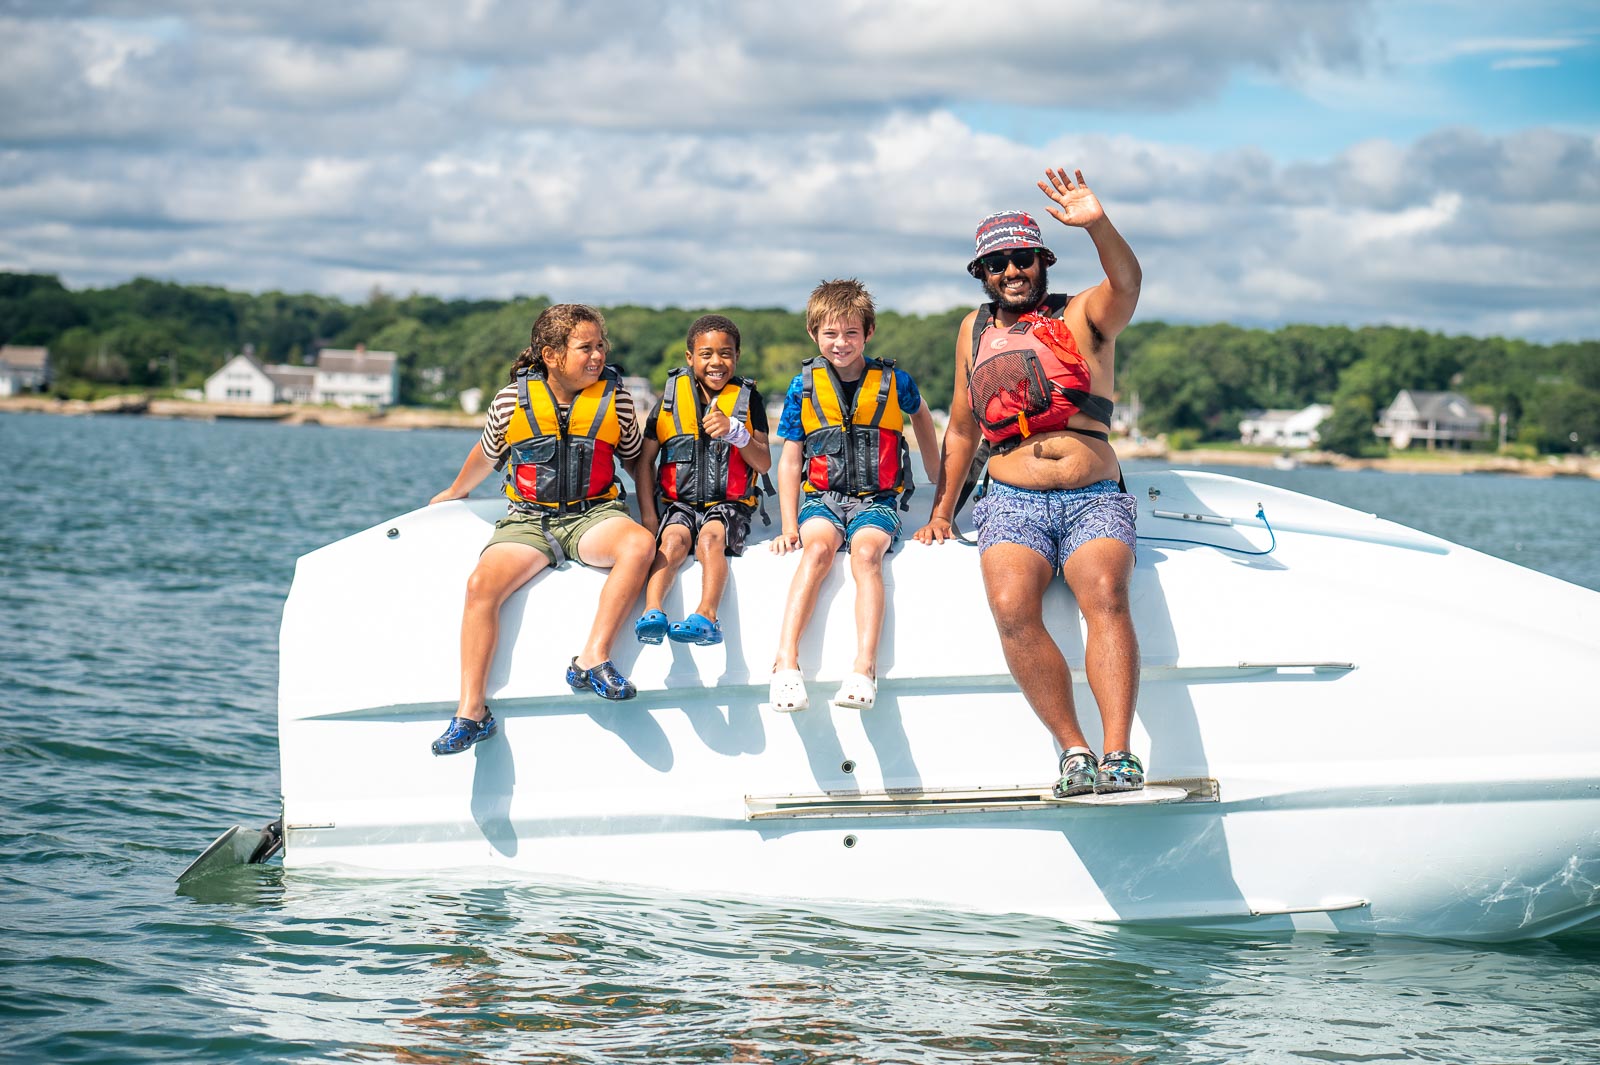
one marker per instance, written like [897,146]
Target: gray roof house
[23,369]
[1434,417]
[357,377]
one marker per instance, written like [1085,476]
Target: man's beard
[1029,299]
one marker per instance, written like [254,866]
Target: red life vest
[697,469]
[1029,378]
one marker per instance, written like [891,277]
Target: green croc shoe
[1077,773]
[1119,771]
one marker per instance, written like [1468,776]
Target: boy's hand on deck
[447,495]
[786,541]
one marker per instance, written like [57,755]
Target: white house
[23,369]
[241,380]
[293,384]
[1434,417]
[357,377]
[349,378]
[1293,429]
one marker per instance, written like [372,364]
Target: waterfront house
[23,369]
[347,378]
[293,384]
[1434,417]
[357,377]
[241,380]
[1291,429]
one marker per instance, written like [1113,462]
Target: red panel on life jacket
[1022,380]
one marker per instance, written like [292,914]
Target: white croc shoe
[858,692]
[788,692]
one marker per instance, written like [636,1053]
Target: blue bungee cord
[1261,513]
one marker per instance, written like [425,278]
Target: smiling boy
[844,468]
[710,431]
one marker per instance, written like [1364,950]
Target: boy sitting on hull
[710,431]
[844,453]
[561,424]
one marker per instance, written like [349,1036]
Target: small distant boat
[1354,726]
[1285,461]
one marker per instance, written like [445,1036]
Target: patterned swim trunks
[1054,523]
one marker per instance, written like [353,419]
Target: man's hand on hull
[937,531]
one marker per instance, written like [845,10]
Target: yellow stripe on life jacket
[684,447]
[555,467]
[861,451]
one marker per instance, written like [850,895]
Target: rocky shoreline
[283,413]
[429,418]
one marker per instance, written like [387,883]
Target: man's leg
[1098,574]
[1015,578]
[628,548]
[867,548]
[820,540]
[708,550]
[501,570]
[669,558]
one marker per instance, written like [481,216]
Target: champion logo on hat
[1005,230]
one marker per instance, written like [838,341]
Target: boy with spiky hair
[710,432]
[842,479]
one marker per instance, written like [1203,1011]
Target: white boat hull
[1381,731]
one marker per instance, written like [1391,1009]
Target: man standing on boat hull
[1040,395]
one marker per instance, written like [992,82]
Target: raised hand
[717,423]
[1075,204]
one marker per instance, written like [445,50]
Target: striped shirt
[504,404]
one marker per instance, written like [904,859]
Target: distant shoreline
[1445,463]
[431,418]
[282,413]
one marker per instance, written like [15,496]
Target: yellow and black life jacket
[563,462]
[696,469]
[859,452]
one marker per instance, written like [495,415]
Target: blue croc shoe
[603,680]
[463,733]
[651,628]
[696,629]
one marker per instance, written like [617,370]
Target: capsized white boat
[1369,729]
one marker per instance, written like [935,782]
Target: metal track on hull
[911,802]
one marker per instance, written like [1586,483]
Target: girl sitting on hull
[558,428]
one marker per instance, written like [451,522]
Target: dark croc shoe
[1119,771]
[1077,773]
[603,680]
[463,732]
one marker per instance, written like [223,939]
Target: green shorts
[529,529]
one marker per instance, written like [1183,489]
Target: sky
[1430,163]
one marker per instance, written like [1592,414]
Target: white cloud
[1523,63]
[718,153]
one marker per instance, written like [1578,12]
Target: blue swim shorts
[851,514]
[1056,522]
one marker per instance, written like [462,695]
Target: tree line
[1194,380]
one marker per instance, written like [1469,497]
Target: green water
[143,566]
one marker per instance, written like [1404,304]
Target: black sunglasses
[995,263]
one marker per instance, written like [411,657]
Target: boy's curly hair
[712,323]
[838,301]
[551,330]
